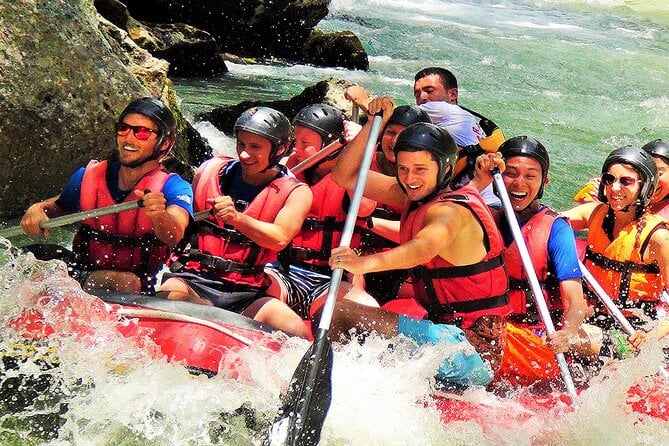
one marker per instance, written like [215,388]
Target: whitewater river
[584,77]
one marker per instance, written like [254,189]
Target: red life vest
[220,249]
[452,293]
[124,241]
[322,229]
[536,232]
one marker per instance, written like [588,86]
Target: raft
[198,337]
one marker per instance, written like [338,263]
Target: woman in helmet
[550,242]
[121,252]
[448,239]
[628,247]
[301,277]
[256,209]
[659,202]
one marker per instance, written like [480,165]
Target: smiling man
[449,241]
[256,208]
[121,252]
[552,247]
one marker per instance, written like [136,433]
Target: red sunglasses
[142,133]
[625,181]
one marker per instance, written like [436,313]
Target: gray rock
[337,49]
[329,91]
[65,75]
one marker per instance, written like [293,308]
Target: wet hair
[447,78]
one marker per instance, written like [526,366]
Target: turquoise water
[582,77]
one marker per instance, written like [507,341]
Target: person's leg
[346,291]
[120,281]
[178,289]
[271,311]
[364,319]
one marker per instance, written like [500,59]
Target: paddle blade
[305,405]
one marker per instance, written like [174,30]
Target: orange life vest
[451,293]
[124,241]
[618,266]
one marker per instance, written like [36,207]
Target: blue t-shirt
[177,191]
[562,257]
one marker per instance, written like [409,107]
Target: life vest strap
[215,263]
[438,311]
[620,267]
[119,240]
[464,270]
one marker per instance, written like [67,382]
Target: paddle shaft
[349,223]
[312,375]
[542,307]
[76,217]
[613,310]
[606,300]
[301,167]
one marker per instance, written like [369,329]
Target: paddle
[76,217]
[611,307]
[532,277]
[305,405]
[301,167]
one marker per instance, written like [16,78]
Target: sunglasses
[625,181]
[142,133]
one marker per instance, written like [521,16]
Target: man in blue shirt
[121,252]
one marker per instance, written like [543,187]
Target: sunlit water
[582,76]
[115,392]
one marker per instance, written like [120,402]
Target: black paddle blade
[305,405]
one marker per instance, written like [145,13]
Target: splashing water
[90,385]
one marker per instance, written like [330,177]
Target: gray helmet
[642,162]
[324,119]
[659,147]
[433,139]
[266,122]
[159,113]
[531,148]
[405,115]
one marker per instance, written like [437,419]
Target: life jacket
[221,250]
[536,232]
[460,294]
[467,155]
[124,241]
[322,228]
[617,265]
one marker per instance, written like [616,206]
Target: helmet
[159,113]
[405,115]
[324,119]
[659,147]
[642,162]
[266,122]
[531,148]
[434,139]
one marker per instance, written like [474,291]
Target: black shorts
[226,295]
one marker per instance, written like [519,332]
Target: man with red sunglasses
[122,252]
[628,246]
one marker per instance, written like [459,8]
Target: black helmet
[324,119]
[531,148]
[159,113]
[434,139]
[405,115]
[659,147]
[642,162]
